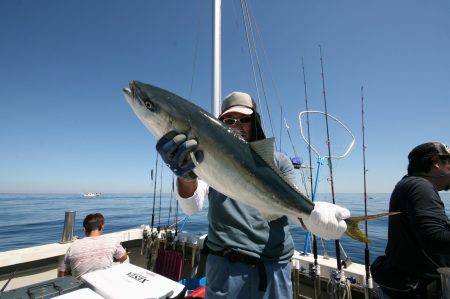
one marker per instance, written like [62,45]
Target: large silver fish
[240,170]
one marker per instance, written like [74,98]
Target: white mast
[217,71]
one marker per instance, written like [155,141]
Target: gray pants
[225,279]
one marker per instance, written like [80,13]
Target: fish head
[157,109]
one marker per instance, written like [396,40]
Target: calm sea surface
[36,219]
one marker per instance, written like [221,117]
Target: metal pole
[69,224]
[217,72]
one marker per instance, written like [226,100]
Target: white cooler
[130,281]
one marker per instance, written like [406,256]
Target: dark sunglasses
[231,121]
[444,159]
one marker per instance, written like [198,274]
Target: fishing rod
[160,196]
[366,249]
[339,287]
[330,165]
[176,215]
[154,193]
[316,270]
[170,204]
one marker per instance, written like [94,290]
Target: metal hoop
[349,148]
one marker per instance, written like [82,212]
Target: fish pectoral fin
[265,149]
[353,230]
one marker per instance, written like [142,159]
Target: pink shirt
[90,254]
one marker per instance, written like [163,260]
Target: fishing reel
[339,277]
[169,238]
[144,242]
[154,234]
[314,270]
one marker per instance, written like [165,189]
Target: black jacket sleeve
[426,213]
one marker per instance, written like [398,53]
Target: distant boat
[91,194]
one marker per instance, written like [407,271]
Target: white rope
[260,72]
[277,97]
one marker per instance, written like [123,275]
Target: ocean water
[37,219]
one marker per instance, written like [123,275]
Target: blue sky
[65,127]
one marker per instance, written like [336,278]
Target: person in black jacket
[418,238]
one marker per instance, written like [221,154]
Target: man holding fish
[249,249]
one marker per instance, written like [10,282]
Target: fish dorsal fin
[265,148]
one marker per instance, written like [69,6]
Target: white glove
[327,220]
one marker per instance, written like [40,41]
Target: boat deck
[39,264]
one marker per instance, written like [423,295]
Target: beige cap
[238,102]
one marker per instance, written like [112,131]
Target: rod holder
[69,224]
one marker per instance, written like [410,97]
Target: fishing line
[8,281]
[194,63]
[179,221]
[260,72]
[244,17]
[261,41]
[236,18]
[184,223]
[324,249]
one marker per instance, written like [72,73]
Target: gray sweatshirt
[241,227]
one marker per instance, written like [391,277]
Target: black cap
[429,149]
[243,103]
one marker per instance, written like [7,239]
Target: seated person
[92,253]
[419,238]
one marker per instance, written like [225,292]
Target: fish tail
[353,230]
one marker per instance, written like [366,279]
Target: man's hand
[63,273]
[123,258]
[175,149]
[327,220]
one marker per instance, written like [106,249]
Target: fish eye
[150,105]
